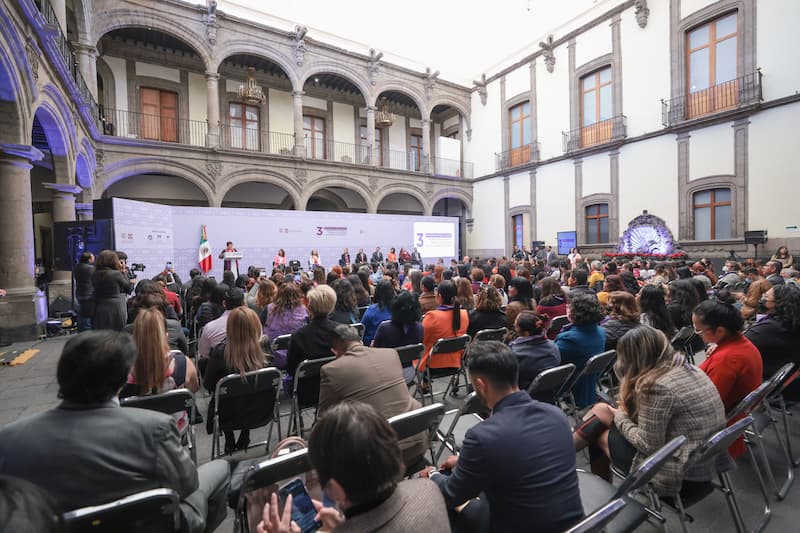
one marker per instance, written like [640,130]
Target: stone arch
[13,98]
[455,104]
[458,194]
[109,84]
[418,98]
[85,168]
[344,182]
[242,47]
[53,98]
[332,197]
[340,69]
[115,19]
[115,172]
[83,19]
[410,190]
[258,175]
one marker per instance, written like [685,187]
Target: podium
[234,258]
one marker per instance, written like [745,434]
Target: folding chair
[687,341]
[596,492]
[718,444]
[777,398]
[361,310]
[247,402]
[305,392]
[472,406]
[556,324]
[442,346]
[360,327]
[490,335]
[425,418]
[280,342]
[268,473]
[546,385]
[154,511]
[597,520]
[410,353]
[169,402]
[595,366]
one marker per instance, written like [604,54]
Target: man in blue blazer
[521,460]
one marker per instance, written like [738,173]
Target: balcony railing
[140,126]
[605,131]
[732,94]
[357,154]
[452,167]
[517,156]
[235,137]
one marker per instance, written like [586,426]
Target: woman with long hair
[488,313]
[280,259]
[653,310]
[552,301]
[285,315]
[464,294]
[239,354]
[110,288]
[362,295]
[611,283]
[520,298]
[266,293]
[379,311]
[783,256]
[623,316]
[752,300]
[682,298]
[447,320]
[660,397]
[346,310]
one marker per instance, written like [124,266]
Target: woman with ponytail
[534,351]
[447,320]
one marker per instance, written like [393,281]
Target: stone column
[374,158]
[87,64]
[84,211]
[426,146]
[23,309]
[63,211]
[212,109]
[299,144]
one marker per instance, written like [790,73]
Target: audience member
[623,316]
[552,302]
[24,507]
[487,313]
[611,284]
[629,282]
[661,397]
[772,271]
[148,295]
[402,329]
[379,311]
[84,290]
[214,332]
[283,316]
[346,310]
[681,300]
[110,288]
[580,340]
[520,458]
[239,353]
[209,304]
[653,309]
[578,283]
[534,351]
[265,293]
[312,341]
[499,283]
[752,304]
[447,320]
[783,257]
[427,298]
[90,451]
[732,362]
[373,376]
[464,294]
[363,298]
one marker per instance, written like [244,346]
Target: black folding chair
[472,406]
[360,327]
[597,492]
[443,346]
[597,520]
[361,310]
[247,402]
[775,402]
[595,366]
[305,392]
[169,402]
[154,511]
[265,474]
[280,342]
[546,385]
[410,353]
[425,418]
[490,335]
[556,324]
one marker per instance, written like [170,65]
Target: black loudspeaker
[103,208]
[755,236]
[71,239]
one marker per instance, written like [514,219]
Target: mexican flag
[204,254]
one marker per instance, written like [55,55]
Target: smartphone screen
[169,265]
[303,511]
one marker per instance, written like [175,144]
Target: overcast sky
[460,38]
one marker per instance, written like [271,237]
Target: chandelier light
[250,91]
[384,117]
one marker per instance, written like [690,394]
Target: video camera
[137,267]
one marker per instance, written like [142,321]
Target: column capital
[298,93]
[371,109]
[63,188]
[84,47]
[212,76]
[20,151]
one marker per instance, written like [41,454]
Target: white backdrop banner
[154,234]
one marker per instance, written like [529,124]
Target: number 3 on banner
[319,230]
[420,241]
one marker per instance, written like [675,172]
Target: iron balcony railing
[452,167]
[605,131]
[141,126]
[733,94]
[518,156]
[235,137]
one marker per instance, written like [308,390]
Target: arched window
[712,66]
[244,131]
[596,223]
[597,107]
[520,133]
[712,210]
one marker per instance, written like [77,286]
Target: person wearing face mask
[521,458]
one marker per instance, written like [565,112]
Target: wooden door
[150,105]
[169,116]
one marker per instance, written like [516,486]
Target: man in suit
[519,460]
[90,451]
[377,256]
[373,376]
[361,257]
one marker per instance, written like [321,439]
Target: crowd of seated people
[746,321]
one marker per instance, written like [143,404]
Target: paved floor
[30,388]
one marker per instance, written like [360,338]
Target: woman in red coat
[733,363]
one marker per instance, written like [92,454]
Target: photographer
[110,287]
[128,273]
